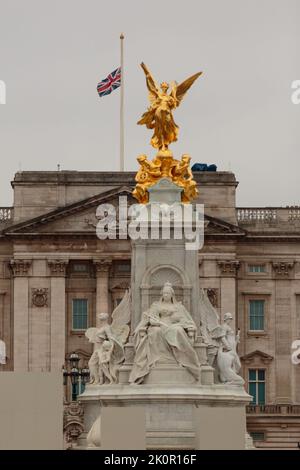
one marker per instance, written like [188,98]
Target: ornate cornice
[58,267]
[20,267]
[228,267]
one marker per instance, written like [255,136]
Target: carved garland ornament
[39,297]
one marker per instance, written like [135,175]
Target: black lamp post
[75,373]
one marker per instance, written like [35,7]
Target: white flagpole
[122,106]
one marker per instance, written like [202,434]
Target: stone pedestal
[176,416]
[157,260]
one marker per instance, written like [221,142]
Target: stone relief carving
[160,276]
[109,340]
[165,334]
[39,297]
[73,422]
[222,342]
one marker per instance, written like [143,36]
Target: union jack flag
[110,83]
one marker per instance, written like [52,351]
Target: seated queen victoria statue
[165,335]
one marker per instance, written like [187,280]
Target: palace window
[256,315]
[257,386]
[257,436]
[79,268]
[256,268]
[79,314]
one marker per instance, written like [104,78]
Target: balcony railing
[268,215]
[6,214]
[274,409]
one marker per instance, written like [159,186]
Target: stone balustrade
[268,215]
[6,215]
[273,409]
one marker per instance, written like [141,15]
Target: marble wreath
[166,333]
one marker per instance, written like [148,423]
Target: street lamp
[75,374]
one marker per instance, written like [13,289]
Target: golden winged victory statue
[159,117]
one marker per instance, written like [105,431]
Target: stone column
[228,272]
[283,273]
[57,313]
[20,270]
[102,294]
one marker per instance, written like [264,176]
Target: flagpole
[122,105]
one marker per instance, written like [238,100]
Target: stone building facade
[55,274]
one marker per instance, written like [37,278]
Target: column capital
[229,267]
[20,267]
[102,266]
[283,268]
[58,267]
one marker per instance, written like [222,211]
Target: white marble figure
[109,340]
[93,437]
[2,352]
[222,342]
[165,334]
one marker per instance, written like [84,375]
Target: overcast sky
[238,115]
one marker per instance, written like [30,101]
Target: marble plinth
[186,416]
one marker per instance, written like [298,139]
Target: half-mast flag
[110,83]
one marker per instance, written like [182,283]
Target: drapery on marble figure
[165,334]
[109,340]
[159,115]
[222,342]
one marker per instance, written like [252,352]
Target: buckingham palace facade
[55,274]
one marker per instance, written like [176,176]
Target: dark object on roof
[204,167]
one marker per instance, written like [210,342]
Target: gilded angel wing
[121,317]
[185,86]
[151,84]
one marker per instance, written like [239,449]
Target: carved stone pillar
[102,267]
[57,313]
[5,332]
[20,271]
[283,340]
[228,272]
